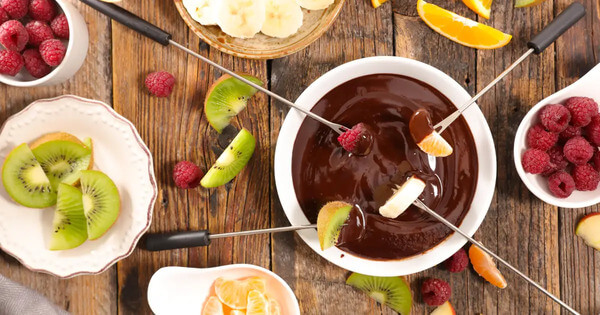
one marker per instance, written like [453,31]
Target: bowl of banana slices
[259,29]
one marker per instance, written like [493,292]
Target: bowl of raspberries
[556,146]
[42,42]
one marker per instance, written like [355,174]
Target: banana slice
[240,18]
[201,10]
[314,4]
[402,198]
[283,18]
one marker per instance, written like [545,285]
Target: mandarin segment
[234,293]
[484,265]
[213,307]
[274,308]
[257,303]
[434,144]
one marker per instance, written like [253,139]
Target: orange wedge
[274,308]
[257,304]
[234,293]
[460,29]
[237,312]
[213,307]
[377,3]
[481,7]
[434,144]
[485,267]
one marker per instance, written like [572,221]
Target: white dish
[118,151]
[182,291]
[486,178]
[537,184]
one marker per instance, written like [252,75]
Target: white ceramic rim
[585,86]
[486,179]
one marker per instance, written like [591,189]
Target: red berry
[34,63]
[539,138]
[435,292]
[357,140]
[578,151]
[160,83]
[457,262]
[561,184]
[38,32]
[3,16]
[16,9]
[60,26]
[586,177]
[593,131]
[555,117]
[53,52]
[535,161]
[11,62]
[570,132]
[187,175]
[582,110]
[42,10]
[558,161]
[596,161]
[13,35]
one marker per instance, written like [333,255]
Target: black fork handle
[557,27]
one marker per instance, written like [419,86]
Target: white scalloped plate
[118,151]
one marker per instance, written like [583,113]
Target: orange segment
[434,144]
[274,308]
[377,3]
[234,293]
[460,29]
[237,312]
[485,267]
[257,304]
[481,7]
[213,307]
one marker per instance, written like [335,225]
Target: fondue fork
[162,37]
[419,204]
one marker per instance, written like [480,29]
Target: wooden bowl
[262,46]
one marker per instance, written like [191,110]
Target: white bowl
[537,184]
[118,151]
[182,291]
[77,48]
[486,178]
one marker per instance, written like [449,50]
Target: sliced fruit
[391,291]
[89,143]
[238,312]
[527,3]
[69,227]
[231,161]
[330,221]
[402,198]
[588,228]
[434,144]
[460,29]
[377,3]
[240,18]
[234,293]
[257,303]
[481,7]
[62,160]
[226,98]
[283,18]
[213,307]
[201,10]
[444,309]
[274,308]
[484,265]
[315,4]
[101,202]
[54,136]
[25,180]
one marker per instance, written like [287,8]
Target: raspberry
[593,131]
[3,16]
[539,138]
[596,161]
[435,291]
[578,151]
[60,26]
[582,110]
[38,32]
[13,35]
[160,83]
[555,117]
[457,262]
[535,161]
[570,132]
[42,10]
[586,177]
[11,62]
[16,9]
[558,162]
[53,51]
[187,175]
[356,140]
[34,63]
[561,184]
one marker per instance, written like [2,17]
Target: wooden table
[537,238]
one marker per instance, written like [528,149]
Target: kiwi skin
[391,291]
[331,218]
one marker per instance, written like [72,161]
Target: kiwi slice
[25,180]
[54,136]
[391,291]
[231,161]
[226,98]
[69,224]
[62,160]
[331,218]
[101,202]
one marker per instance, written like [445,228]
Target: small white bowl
[484,143]
[77,48]
[586,86]
[182,290]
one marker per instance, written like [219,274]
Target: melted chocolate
[322,171]
[420,125]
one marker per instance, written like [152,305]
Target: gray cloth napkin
[16,299]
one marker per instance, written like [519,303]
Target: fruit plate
[118,151]
[182,290]
[315,23]
[586,86]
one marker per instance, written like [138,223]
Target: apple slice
[402,198]
[588,228]
[444,309]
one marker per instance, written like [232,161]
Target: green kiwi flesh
[69,224]
[101,202]
[231,161]
[61,160]
[391,291]
[330,221]
[25,180]
[226,98]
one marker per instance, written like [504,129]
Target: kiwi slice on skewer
[101,202]
[331,218]
[61,160]
[226,98]
[231,161]
[69,224]
[391,291]
[25,180]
